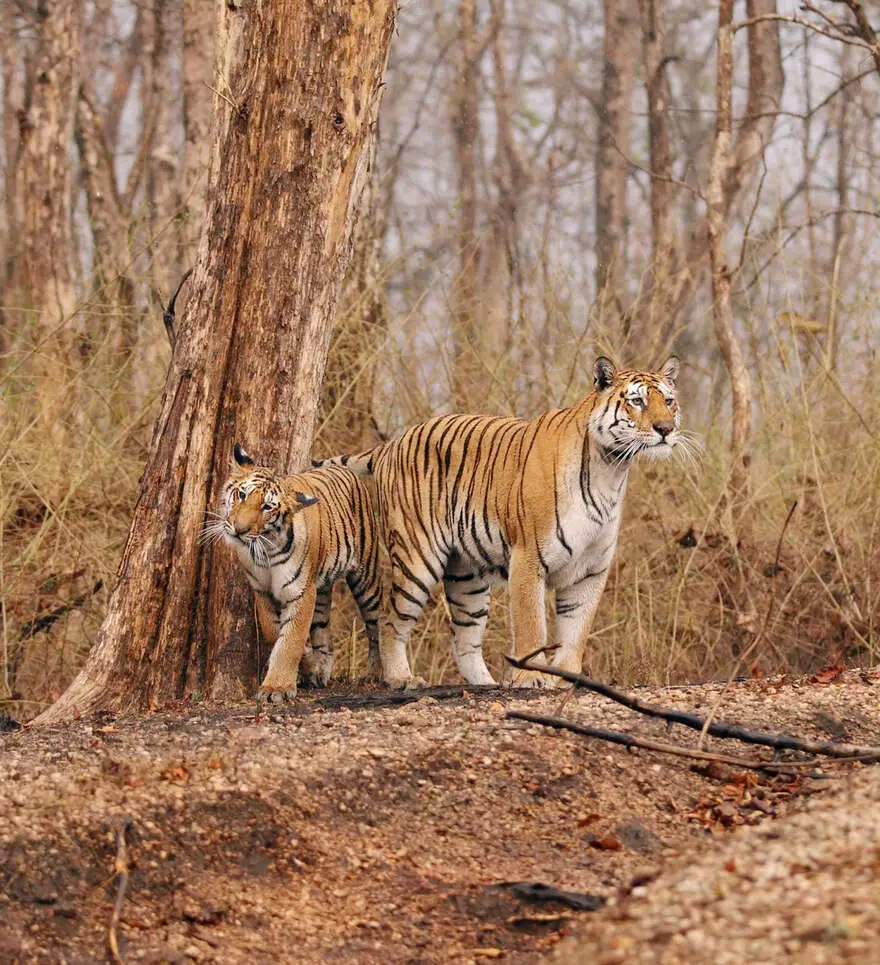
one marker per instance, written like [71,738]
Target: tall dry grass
[692,595]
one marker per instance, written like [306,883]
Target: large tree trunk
[302,85]
[199,28]
[612,167]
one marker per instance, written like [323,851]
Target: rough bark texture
[302,85]
[41,271]
[718,208]
[199,29]
[163,200]
[618,77]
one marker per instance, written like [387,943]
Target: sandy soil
[322,833]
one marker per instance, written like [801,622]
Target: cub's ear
[603,373]
[240,457]
[304,499]
[670,369]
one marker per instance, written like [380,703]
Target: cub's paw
[275,695]
[316,669]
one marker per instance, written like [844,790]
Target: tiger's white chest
[583,532]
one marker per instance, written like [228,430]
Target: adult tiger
[295,536]
[472,499]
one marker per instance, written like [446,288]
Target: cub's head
[255,507]
[635,411]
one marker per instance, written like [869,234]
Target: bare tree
[40,271]
[652,331]
[717,198]
[612,150]
[465,134]
[249,351]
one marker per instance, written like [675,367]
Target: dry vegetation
[476,285]
[685,602]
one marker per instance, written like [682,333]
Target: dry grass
[689,594]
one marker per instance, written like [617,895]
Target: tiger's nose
[664,427]
[241,528]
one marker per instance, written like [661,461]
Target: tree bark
[718,207]
[41,273]
[652,336]
[465,362]
[612,167]
[199,28]
[162,22]
[302,85]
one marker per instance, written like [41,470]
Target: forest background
[551,180]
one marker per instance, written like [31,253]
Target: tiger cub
[295,536]
[471,500]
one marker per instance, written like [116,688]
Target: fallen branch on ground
[648,744]
[120,869]
[716,729]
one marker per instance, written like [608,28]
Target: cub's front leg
[294,623]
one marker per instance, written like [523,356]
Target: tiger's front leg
[317,663]
[576,607]
[528,624]
[295,621]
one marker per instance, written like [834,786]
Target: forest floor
[325,831]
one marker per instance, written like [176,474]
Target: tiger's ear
[304,499]
[603,373]
[240,458]
[670,369]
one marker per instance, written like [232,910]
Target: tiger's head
[256,508]
[635,412]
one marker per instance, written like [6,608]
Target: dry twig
[648,744]
[120,869]
[777,741]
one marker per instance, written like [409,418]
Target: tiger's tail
[360,463]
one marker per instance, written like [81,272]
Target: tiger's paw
[406,683]
[275,695]
[531,678]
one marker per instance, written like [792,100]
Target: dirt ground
[328,832]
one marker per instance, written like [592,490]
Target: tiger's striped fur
[470,499]
[295,536]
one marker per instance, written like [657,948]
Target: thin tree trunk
[199,29]
[718,208]
[613,140]
[250,348]
[653,335]
[466,365]
[766,85]
[41,279]
[163,201]
[839,237]
[510,179]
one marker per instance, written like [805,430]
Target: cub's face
[636,412]
[254,508]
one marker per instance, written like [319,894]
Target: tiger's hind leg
[467,594]
[367,592]
[316,668]
[412,582]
